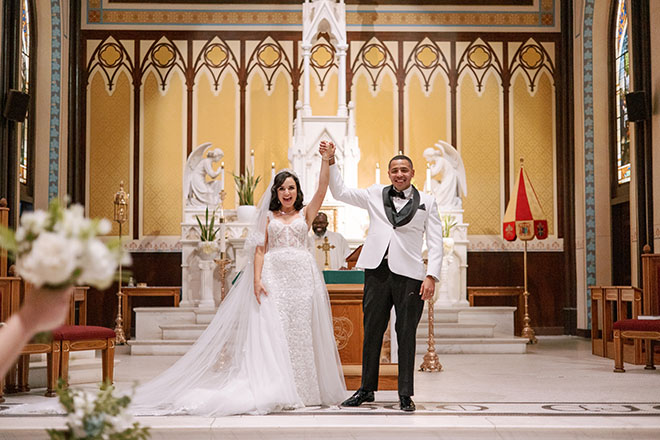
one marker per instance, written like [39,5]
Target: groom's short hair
[400,157]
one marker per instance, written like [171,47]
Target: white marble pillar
[185,291]
[307,52]
[341,99]
[206,300]
[443,298]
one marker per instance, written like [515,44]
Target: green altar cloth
[343,276]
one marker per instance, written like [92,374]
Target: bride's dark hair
[275,203]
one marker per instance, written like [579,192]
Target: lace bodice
[291,235]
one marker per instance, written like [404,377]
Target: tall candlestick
[272,170]
[223,239]
[252,161]
[428,178]
[377,173]
[222,176]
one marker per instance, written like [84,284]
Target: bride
[270,345]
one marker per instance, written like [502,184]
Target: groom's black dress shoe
[406,404]
[359,398]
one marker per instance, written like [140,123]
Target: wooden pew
[641,330]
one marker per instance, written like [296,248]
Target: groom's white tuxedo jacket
[403,236]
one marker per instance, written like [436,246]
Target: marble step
[498,344]
[160,347]
[456,330]
[183,331]
[204,316]
[494,345]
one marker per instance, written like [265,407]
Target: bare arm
[259,253]
[42,310]
[327,152]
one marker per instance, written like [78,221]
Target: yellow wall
[376,127]
[426,121]
[217,122]
[163,149]
[480,146]
[270,119]
[109,146]
[324,103]
[533,135]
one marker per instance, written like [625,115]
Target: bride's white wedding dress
[259,358]
[253,359]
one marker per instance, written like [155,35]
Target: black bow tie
[395,193]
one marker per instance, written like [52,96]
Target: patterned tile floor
[558,390]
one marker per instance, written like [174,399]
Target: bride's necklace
[287,213]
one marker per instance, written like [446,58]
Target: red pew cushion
[82,332]
[644,325]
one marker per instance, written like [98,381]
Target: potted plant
[208,247]
[448,223]
[245,185]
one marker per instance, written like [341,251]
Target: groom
[394,270]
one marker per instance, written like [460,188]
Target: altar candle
[252,161]
[428,177]
[223,239]
[222,176]
[377,173]
[272,170]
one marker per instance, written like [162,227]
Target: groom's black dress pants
[382,290]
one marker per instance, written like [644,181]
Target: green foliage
[448,223]
[206,230]
[245,186]
[104,417]
[8,240]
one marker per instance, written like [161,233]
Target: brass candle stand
[431,362]
[224,263]
[527,331]
[120,202]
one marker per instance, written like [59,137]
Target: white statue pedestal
[453,283]
[207,267]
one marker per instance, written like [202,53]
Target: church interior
[529,121]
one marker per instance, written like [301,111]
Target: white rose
[98,264]
[74,223]
[34,221]
[51,260]
[104,227]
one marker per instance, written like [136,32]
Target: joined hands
[327,150]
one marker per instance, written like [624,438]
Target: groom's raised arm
[352,196]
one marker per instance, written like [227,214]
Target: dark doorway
[621,244]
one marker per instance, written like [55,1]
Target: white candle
[222,176]
[223,240]
[252,161]
[272,170]
[428,177]
[377,173]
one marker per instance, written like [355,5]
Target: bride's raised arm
[327,150]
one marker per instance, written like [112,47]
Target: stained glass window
[622,72]
[25,87]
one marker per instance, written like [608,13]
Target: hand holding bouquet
[60,247]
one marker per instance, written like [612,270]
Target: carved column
[341,76]
[307,108]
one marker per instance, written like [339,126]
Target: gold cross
[326,247]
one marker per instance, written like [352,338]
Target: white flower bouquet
[97,416]
[60,247]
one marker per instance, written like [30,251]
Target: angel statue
[448,184]
[197,191]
